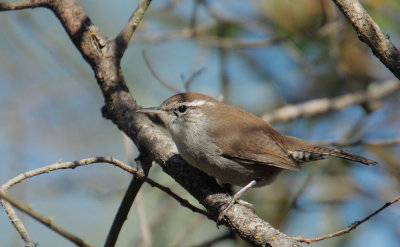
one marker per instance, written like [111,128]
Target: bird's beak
[150,110]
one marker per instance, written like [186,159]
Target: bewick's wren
[233,145]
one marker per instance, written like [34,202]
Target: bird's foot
[235,198]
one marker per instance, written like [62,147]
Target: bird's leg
[235,198]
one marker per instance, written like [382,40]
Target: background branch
[351,227]
[320,106]
[44,220]
[370,33]
[104,55]
[83,162]
[127,201]
[154,73]
[347,143]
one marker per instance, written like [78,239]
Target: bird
[232,145]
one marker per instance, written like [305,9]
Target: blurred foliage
[50,110]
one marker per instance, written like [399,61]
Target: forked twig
[71,165]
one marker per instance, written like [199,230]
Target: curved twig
[351,227]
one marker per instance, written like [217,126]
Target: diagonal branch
[72,165]
[351,227]
[44,220]
[370,33]
[154,73]
[122,39]
[127,201]
[120,107]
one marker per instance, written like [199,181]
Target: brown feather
[245,137]
[261,144]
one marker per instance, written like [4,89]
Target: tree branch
[187,83]
[121,108]
[47,221]
[27,4]
[351,227]
[127,201]
[44,220]
[323,105]
[72,165]
[383,142]
[122,39]
[370,33]
[199,34]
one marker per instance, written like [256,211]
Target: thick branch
[370,33]
[121,108]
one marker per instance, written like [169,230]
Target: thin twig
[185,232]
[143,222]
[360,142]
[83,162]
[200,35]
[193,17]
[126,204]
[323,105]
[350,228]
[158,216]
[120,107]
[223,74]
[44,220]
[189,81]
[28,4]
[153,72]
[115,162]
[122,40]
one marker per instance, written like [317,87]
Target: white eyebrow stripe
[199,103]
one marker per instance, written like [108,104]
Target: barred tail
[341,154]
[302,151]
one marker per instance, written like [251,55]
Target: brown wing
[249,139]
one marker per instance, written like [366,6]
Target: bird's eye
[182,109]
